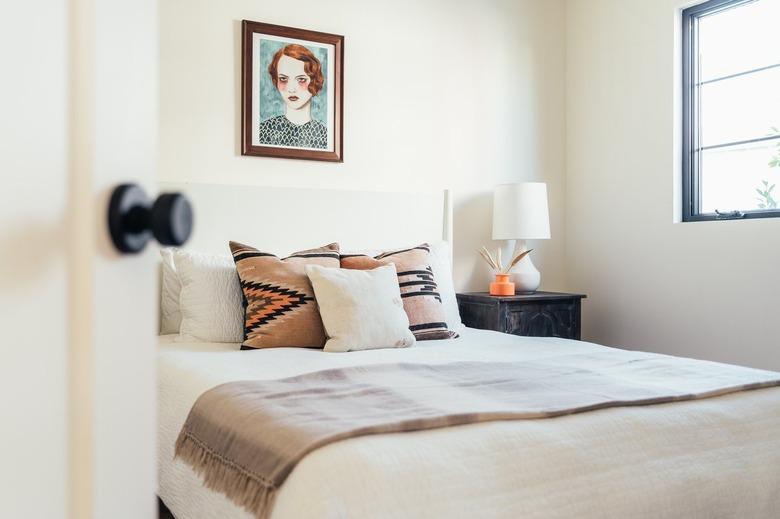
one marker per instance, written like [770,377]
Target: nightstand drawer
[541,314]
[484,316]
[544,320]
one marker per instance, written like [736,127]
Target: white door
[78,115]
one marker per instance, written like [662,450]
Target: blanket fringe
[243,488]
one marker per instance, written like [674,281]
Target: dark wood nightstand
[541,314]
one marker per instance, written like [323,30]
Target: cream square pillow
[361,309]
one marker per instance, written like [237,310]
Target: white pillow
[170,315]
[211,303]
[361,309]
[442,272]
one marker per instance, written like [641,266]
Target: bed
[714,457]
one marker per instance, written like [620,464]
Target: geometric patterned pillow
[419,291]
[280,309]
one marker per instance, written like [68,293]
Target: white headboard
[284,219]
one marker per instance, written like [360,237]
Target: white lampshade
[520,212]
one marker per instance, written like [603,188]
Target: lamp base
[525,275]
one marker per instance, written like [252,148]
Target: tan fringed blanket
[244,438]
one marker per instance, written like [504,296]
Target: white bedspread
[712,458]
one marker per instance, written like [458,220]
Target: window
[731,110]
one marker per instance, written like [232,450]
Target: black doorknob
[133,220]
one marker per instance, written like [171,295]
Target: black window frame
[691,188]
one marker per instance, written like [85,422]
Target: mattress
[718,457]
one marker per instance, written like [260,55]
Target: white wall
[707,290]
[438,94]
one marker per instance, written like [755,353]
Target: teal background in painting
[271,103]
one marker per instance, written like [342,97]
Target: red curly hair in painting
[311,65]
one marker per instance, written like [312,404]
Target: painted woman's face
[292,82]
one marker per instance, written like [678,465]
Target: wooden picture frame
[291,93]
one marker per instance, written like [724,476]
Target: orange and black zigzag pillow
[280,309]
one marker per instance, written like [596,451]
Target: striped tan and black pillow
[280,309]
[419,291]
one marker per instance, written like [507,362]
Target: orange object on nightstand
[502,286]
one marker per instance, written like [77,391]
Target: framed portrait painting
[291,93]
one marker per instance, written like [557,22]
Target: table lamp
[520,213]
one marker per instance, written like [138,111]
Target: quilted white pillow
[361,309]
[170,315]
[211,302]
